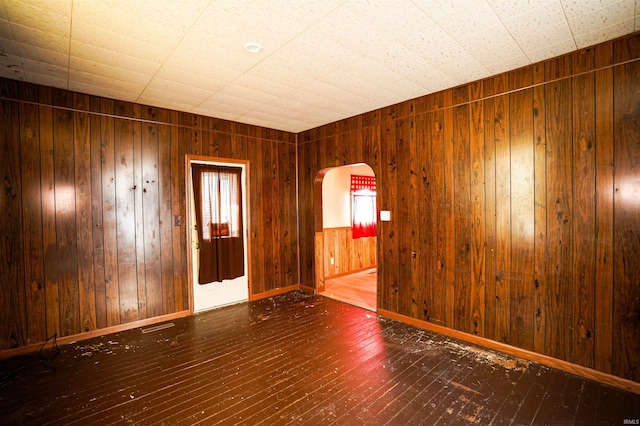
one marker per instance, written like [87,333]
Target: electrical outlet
[177,220]
[332,261]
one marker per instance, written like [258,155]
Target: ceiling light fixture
[252,47]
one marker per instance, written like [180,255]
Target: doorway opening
[346,237]
[217,223]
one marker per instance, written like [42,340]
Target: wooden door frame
[189,159]
[318,228]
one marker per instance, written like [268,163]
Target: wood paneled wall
[92,189]
[515,205]
[349,255]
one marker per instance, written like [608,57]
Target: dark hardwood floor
[296,359]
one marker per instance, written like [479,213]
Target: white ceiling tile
[533,41]
[85,33]
[241,92]
[510,9]
[5,30]
[11,66]
[463,18]
[148,53]
[323,60]
[500,53]
[114,16]
[231,101]
[48,56]
[551,50]
[507,64]
[52,18]
[83,67]
[40,39]
[239,22]
[186,100]
[306,13]
[609,14]
[8,47]
[10,72]
[601,34]
[46,79]
[110,82]
[485,40]
[576,8]
[254,82]
[193,79]
[102,90]
[31,66]
[536,21]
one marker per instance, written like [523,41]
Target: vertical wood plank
[403,173]
[65,208]
[137,191]
[449,218]
[166,219]
[97,237]
[49,213]
[125,187]
[439,218]
[109,218]
[13,332]
[83,213]
[584,204]
[478,212]
[490,250]
[626,301]
[421,214]
[604,213]
[503,215]
[462,218]
[540,213]
[389,182]
[291,218]
[32,219]
[151,214]
[177,168]
[559,219]
[274,213]
[522,219]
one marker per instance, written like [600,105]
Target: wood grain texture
[604,212]
[545,290]
[32,219]
[559,300]
[244,364]
[626,232]
[584,203]
[95,202]
[544,218]
[522,218]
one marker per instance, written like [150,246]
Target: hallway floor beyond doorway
[358,289]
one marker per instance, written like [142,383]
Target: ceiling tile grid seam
[322,60]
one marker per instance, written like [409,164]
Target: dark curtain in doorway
[218,202]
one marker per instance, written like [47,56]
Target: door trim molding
[203,159]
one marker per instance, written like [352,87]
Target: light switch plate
[385,215]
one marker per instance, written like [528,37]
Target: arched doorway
[346,248]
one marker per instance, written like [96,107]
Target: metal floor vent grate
[157,328]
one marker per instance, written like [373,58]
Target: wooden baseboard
[355,271]
[275,292]
[8,353]
[579,370]
[308,289]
